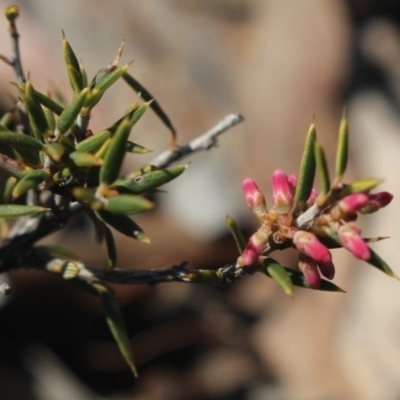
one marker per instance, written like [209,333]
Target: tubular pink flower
[281,192]
[308,244]
[377,201]
[310,271]
[353,203]
[254,248]
[349,237]
[255,199]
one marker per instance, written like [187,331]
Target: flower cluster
[279,226]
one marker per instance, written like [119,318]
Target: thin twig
[202,142]
[16,59]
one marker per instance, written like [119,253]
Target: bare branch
[16,58]
[202,142]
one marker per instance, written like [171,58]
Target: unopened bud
[281,192]
[308,244]
[349,237]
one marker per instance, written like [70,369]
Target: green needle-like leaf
[298,280]
[155,106]
[16,210]
[306,176]
[236,233]
[279,274]
[149,180]
[322,169]
[128,204]
[109,171]
[136,148]
[84,160]
[379,263]
[49,103]
[101,82]
[110,243]
[93,143]
[55,151]
[68,116]
[124,225]
[363,185]
[30,181]
[73,67]
[19,140]
[116,324]
[342,149]
[7,189]
[36,114]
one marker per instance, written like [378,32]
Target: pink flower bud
[349,237]
[281,192]
[310,271]
[254,197]
[377,201]
[292,179]
[254,248]
[308,244]
[353,203]
[312,197]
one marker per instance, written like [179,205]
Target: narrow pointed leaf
[51,121]
[150,180]
[19,140]
[279,274]
[116,324]
[7,118]
[109,171]
[363,185]
[73,67]
[7,189]
[124,225]
[30,181]
[55,151]
[138,88]
[36,114]
[16,210]
[110,243]
[306,176]
[84,160]
[322,169]
[128,204]
[28,157]
[49,103]
[84,194]
[343,148]
[93,143]
[136,148]
[379,263]
[101,82]
[68,116]
[75,79]
[83,75]
[236,233]
[298,280]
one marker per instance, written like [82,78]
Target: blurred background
[279,64]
